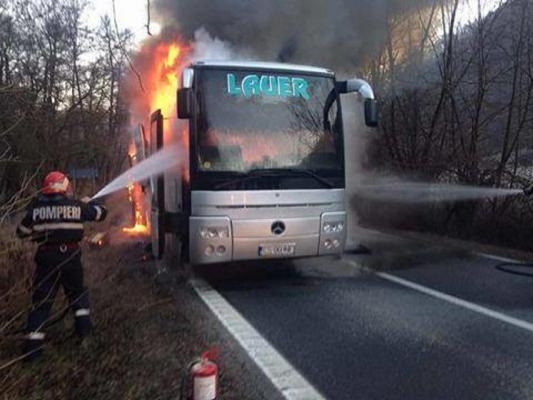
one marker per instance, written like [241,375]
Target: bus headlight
[214,232]
[333,226]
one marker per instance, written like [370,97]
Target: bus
[265,170]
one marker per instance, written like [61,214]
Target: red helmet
[56,183]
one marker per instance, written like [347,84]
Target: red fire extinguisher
[202,375]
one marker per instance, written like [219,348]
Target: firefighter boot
[83,323]
[33,347]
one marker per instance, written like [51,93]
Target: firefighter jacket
[57,219]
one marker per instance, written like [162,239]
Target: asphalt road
[356,334]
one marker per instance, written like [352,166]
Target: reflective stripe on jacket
[58,219]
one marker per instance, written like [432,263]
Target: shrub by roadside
[16,267]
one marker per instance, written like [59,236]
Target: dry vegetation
[16,267]
[146,331]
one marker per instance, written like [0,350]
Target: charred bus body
[266,171]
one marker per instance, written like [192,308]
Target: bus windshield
[250,121]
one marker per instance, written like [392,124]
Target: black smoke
[335,33]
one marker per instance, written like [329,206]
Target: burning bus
[265,175]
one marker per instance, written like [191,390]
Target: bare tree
[60,105]
[456,102]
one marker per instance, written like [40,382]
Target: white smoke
[356,139]
[207,47]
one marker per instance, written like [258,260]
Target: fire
[161,66]
[163,79]
[135,198]
[132,154]
[140,226]
[167,61]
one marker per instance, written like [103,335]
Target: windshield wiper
[260,172]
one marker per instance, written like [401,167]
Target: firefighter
[54,221]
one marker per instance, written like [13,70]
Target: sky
[131,14]
[468,10]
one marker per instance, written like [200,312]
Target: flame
[161,64]
[164,78]
[140,226]
[132,154]
[167,62]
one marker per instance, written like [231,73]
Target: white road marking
[450,299]
[459,302]
[291,384]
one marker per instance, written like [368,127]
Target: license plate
[277,250]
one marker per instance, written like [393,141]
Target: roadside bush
[16,267]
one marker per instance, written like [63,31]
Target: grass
[16,266]
[145,332]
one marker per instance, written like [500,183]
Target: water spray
[518,268]
[393,189]
[528,191]
[154,165]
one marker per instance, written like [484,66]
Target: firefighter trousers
[54,269]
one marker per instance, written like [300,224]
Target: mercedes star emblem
[278,228]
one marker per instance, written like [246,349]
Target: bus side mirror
[184,103]
[365,90]
[371,113]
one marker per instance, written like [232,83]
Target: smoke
[341,34]
[207,47]
[356,143]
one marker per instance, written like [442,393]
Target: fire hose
[513,268]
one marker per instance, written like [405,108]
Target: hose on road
[514,268]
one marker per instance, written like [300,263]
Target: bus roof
[263,65]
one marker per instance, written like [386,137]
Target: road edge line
[285,378]
[449,298]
